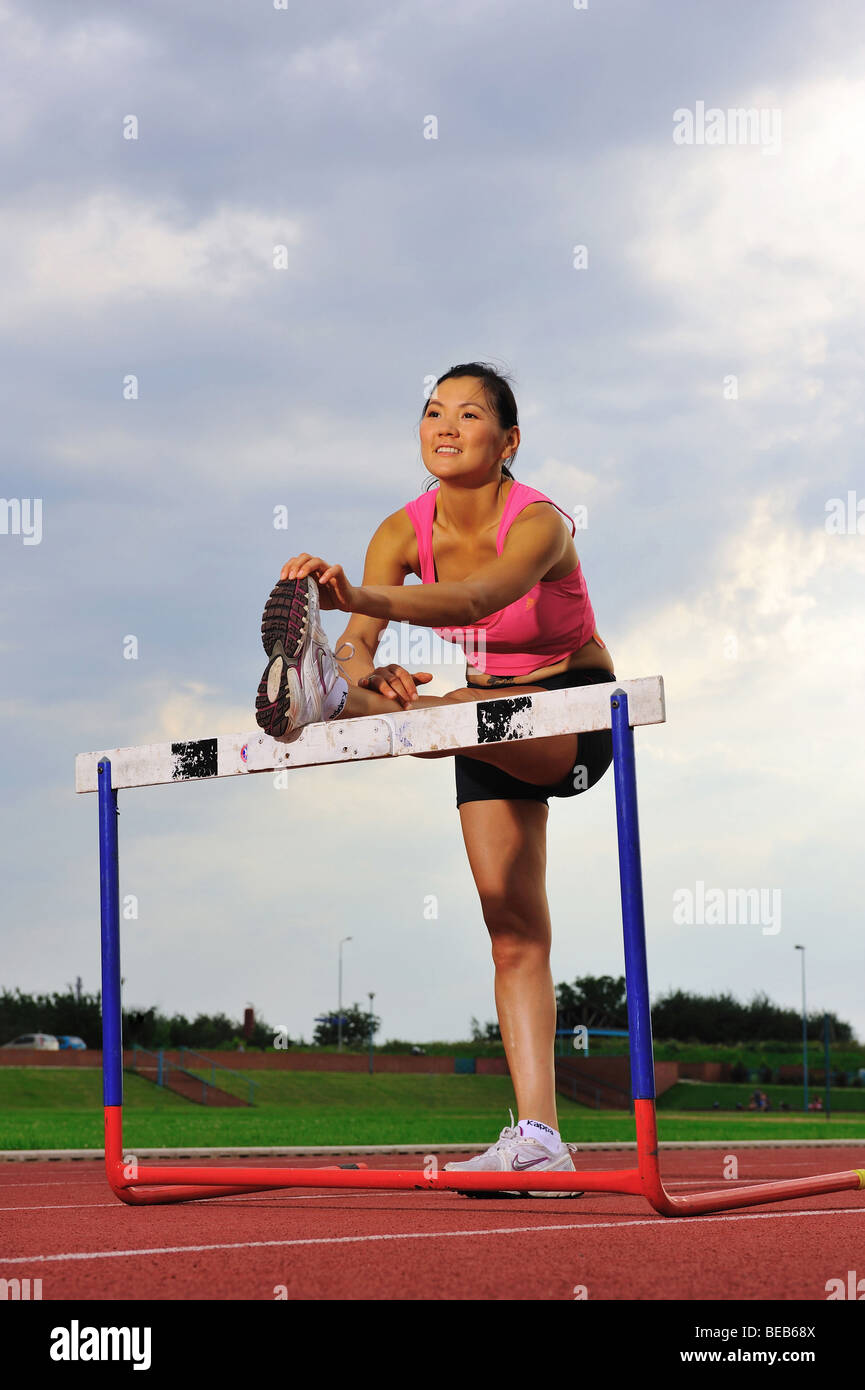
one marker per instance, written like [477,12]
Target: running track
[60,1223]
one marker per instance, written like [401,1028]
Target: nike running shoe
[301,670]
[514,1153]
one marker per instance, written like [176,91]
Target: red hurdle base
[148,1184]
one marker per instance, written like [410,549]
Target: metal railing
[581,1084]
[164,1068]
[217,1066]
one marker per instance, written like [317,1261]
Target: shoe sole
[481,1195]
[284,626]
[493,1195]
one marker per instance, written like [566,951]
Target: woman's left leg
[297,648]
[507,850]
[540,761]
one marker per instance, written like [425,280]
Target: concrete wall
[613,1069]
[700,1071]
[384,1062]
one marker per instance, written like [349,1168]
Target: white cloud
[759,255]
[340,62]
[767,639]
[571,486]
[40,59]
[108,249]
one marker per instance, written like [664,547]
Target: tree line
[80,1015]
[601,1002]
[590,1001]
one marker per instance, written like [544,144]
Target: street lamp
[339,1004]
[371,997]
[804,1028]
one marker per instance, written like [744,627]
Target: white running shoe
[515,1153]
[302,670]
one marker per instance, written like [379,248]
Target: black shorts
[481,781]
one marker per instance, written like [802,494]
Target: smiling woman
[494,406]
[500,574]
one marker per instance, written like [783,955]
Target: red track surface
[60,1223]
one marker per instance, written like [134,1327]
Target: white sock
[533,1129]
[335,698]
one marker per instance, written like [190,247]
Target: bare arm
[532,546]
[385,567]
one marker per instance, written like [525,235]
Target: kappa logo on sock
[339,707]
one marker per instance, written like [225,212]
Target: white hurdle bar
[579,709]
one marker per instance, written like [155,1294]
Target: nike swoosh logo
[532,1163]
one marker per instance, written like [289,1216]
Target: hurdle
[580,709]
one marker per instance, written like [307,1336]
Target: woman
[499,573]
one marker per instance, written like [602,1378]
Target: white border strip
[579,709]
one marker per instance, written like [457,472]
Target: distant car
[35,1042]
[77,1044]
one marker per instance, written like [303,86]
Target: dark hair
[499,398]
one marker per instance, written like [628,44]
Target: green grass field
[59,1108]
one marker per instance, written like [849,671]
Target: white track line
[59,1181]
[585,1226]
[62,1206]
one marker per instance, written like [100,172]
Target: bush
[739,1072]
[69,1012]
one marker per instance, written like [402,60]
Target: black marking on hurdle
[496,718]
[197,759]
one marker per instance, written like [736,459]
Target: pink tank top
[549,622]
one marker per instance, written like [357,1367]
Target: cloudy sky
[679,300]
